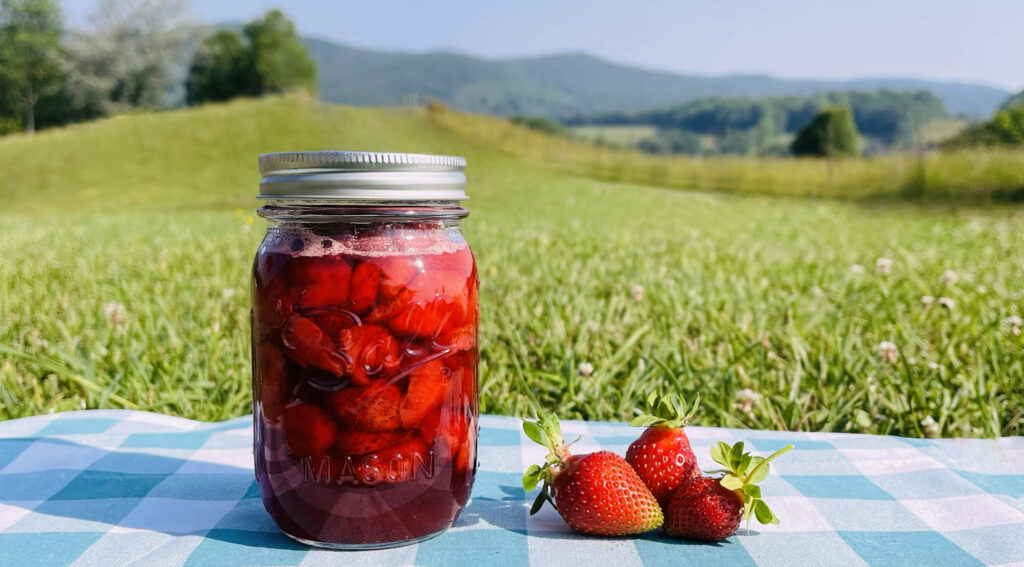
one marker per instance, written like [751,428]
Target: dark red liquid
[364,383]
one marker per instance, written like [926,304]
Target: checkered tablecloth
[106,488]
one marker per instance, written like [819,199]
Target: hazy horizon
[942,40]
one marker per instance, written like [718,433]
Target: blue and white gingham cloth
[119,488]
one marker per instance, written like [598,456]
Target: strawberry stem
[767,459]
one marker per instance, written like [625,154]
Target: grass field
[625,136]
[124,280]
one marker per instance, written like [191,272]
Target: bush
[1006,128]
[830,133]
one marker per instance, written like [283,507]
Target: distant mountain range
[574,83]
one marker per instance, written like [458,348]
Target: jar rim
[362,176]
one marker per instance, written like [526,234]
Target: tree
[280,61]
[31,62]
[830,133]
[221,70]
[131,55]
[269,59]
[1006,128]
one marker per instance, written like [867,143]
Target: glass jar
[364,341]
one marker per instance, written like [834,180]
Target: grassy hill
[127,242]
[574,83]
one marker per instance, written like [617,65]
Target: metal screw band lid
[362,176]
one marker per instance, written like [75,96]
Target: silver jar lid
[362,176]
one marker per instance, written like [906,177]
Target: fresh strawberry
[427,386]
[319,282]
[397,463]
[662,455]
[372,350]
[710,509]
[373,408]
[308,429]
[363,290]
[597,493]
[355,442]
[271,381]
[307,345]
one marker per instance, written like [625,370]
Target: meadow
[126,246]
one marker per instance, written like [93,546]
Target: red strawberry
[395,273]
[355,442]
[427,387]
[319,282]
[597,493]
[363,291]
[307,345]
[662,455]
[457,338]
[271,381]
[710,509]
[373,408]
[439,299]
[308,430]
[390,306]
[273,305]
[459,262]
[372,350]
[397,463]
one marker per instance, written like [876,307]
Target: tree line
[136,54]
[743,125]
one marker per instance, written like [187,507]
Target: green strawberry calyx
[668,410]
[545,431]
[742,473]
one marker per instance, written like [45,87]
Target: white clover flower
[593,326]
[746,396]
[586,369]
[115,312]
[746,399]
[817,291]
[933,365]
[1014,323]
[227,293]
[949,277]
[927,301]
[856,269]
[947,302]
[929,426]
[638,292]
[884,266]
[889,352]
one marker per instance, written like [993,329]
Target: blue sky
[975,41]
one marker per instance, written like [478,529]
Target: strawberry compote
[365,374]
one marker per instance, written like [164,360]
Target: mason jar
[364,342]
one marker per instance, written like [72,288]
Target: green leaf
[744,463]
[531,477]
[752,490]
[644,420]
[763,513]
[732,482]
[538,502]
[534,432]
[720,453]
[735,454]
[760,473]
